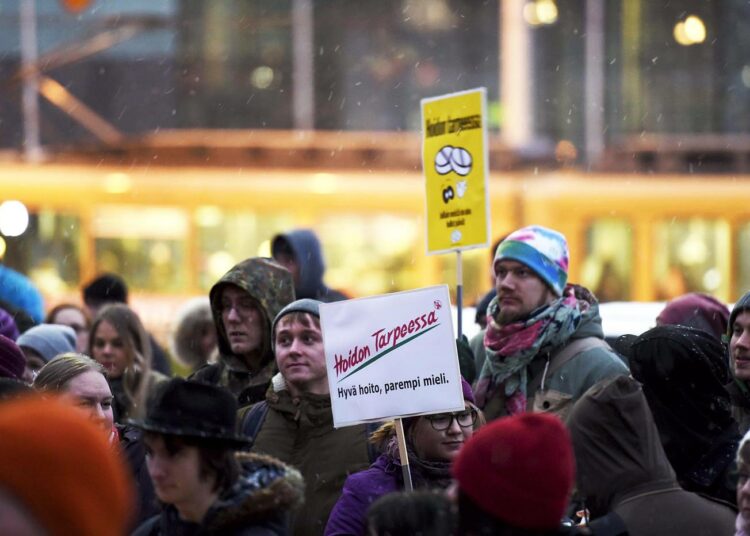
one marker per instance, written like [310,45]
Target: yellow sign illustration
[455,166]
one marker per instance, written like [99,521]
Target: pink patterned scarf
[511,347]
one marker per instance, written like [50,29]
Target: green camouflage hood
[267,282]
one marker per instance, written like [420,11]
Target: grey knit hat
[49,340]
[742,304]
[305,305]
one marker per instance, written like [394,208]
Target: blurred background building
[166,140]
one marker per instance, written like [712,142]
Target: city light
[117,183]
[14,218]
[540,12]
[691,31]
[262,77]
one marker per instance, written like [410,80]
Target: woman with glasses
[432,442]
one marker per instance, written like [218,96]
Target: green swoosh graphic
[381,354]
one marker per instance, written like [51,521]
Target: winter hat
[193,409]
[61,468]
[519,469]
[12,360]
[696,310]
[543,250]
[8,325]
[49,340]
[305,305]
[742,304]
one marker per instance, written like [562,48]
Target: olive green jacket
[300,432]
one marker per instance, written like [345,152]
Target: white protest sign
[391,356]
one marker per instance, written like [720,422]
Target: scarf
[425,474]
[511,347]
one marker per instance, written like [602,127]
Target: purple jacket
[360,491]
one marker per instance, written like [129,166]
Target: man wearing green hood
[243,303]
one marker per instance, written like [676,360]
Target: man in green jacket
[295,422]
[543,345]
[243,303]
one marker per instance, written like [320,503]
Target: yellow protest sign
[454,161]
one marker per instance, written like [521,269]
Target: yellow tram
[171,231]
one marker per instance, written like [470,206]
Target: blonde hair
[55,375]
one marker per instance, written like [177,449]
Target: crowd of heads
[536,450]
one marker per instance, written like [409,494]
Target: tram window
[367,255]
[48,251]
[225,238]
[743,261]
[608,266]
[692,256]
[146,246]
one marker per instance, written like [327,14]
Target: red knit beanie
[60,467]
[519,469]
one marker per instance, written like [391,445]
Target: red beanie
[519,469]
[59,465]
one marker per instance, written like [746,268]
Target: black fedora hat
[192,409]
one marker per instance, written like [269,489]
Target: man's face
[242,321]
[300,355]
[290,263]
[176,475]
[519,291]
[739,346]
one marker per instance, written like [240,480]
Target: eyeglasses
[244,308]
[443,421]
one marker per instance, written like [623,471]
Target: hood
[591,321]
[266,489]
[616,444]
[696,310]
[267,282]
[308,411]
[683,373]
[309,256]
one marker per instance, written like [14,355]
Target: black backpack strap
[250,419]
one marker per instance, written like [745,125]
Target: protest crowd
[557,430]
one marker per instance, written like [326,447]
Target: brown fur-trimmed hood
[266,491]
